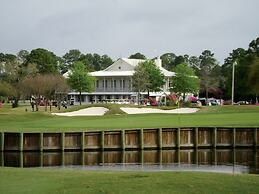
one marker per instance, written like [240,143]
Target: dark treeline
[215,78]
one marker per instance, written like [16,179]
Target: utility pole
[233,81]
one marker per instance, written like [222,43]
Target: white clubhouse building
[115,82]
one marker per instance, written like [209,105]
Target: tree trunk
[207,95]
[80,98]
[138,98]
[37,104]
[46,105]
[50,106]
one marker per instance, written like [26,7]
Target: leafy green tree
[194,62]
[6,90]
[45,60]
[207,65]
[178,60]
[168,60]
[9,72]
[236,56]
[155,76]
[80,80]
[43,85]
[72,56]
[185,81]
[140,80]
[106,61]
[254,77]
[29,69]
[22,55]
[137,56]
[95,62]
[254,47]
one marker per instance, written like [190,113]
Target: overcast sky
[122,27]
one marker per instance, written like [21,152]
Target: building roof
[132,62]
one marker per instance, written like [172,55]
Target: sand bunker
[155,110]
[92,111]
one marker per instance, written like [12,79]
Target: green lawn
[20,120]
[81,181]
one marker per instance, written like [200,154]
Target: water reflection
[225,160]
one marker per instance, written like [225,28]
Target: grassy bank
[20,120]
[79,181]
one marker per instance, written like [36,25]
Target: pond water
[209,160]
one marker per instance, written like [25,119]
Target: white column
[122,85]
[104,84]
[130,84]
[112,85]
[168,83]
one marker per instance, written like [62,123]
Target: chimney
[158,62]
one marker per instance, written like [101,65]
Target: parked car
[213,102]
[242,103]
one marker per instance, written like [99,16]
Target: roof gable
[120,65]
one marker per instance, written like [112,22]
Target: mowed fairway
[81,181]
[20,120]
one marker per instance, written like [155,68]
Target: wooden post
[2,159]
[255,157]
[160,153]
[123,157]
[102,140]
[41,159]
[62,141]
[41,142]
[63,162]
[21,159]
[82,158]
[102,157]
[234,159]
[196,142]
[142,157]
[21,142]
[196,156]
[83,141]
[178,156]
[160,138]
[178,138]
[234,138]
[215,160]
[214,137]
[255,137]
[123,139]
[141,138]
[2,142]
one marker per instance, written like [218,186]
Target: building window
[170,84]
[119,67]
[120,83]
[114,83]
[97,83]
[106,83]
[123,83]
[103,83]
